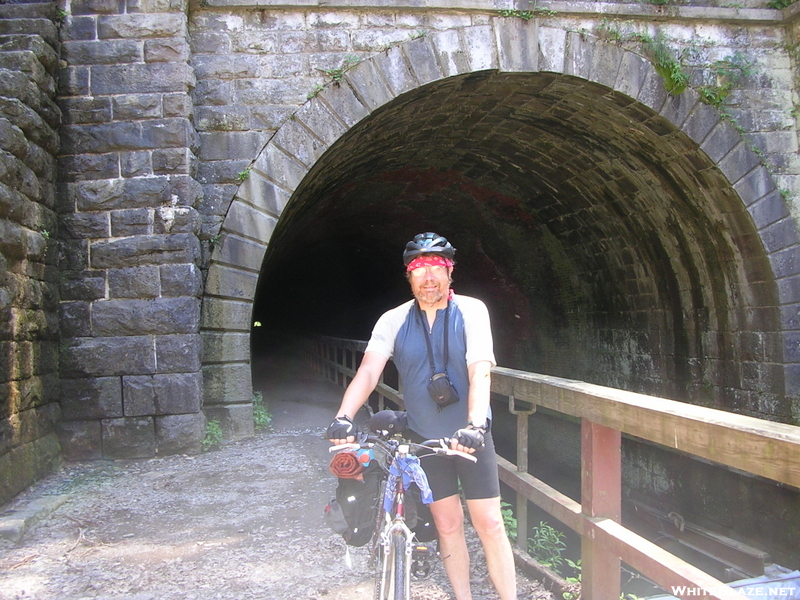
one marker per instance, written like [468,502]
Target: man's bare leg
[449,518]
[487,519]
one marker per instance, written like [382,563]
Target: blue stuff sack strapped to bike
[354,511]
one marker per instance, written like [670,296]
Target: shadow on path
[241,522]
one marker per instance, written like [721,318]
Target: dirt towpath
[242,522]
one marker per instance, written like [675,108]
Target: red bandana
[429,261]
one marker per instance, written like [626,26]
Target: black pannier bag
[418,515]
[353,513]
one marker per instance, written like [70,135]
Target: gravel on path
[244,521]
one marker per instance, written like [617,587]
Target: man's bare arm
[357,393]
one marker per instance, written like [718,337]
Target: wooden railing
[763,448]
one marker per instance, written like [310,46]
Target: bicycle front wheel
[401,567]
[392,577]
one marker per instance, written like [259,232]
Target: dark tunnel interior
[608,247]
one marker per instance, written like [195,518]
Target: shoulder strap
[428,336]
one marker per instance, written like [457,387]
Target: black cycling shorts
[478,479]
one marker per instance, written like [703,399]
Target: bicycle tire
[392,573]
[377,544]
[401,567]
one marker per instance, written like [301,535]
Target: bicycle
[398,554]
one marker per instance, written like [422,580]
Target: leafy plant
[666,65]
[262,417]
[779,4]
[509,520]
[656,49]
[727,74]
[547,545]
[315,91]
[573,591]
[337,75]
[609,30]
[518,14]
[526,15]
[213,437]
[243,175]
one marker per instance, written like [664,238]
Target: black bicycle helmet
[427,243]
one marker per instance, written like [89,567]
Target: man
[413,335]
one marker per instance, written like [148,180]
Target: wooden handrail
[764,448]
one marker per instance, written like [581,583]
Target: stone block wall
[166,111]
[29,119]
[131,282]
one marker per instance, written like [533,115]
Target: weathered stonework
[29,121]
[197,137]
[131,296]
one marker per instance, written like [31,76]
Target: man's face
[430,284]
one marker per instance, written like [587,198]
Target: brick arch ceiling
[578,197]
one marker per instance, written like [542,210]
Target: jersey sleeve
[478,329]
[385,331]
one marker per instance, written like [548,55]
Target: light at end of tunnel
[256,323]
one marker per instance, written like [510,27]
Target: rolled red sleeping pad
[346,465]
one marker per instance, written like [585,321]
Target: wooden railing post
[601,498]
[522,467]
[381,397]
[766,449]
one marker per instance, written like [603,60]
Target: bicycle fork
[396,569]
[396,543]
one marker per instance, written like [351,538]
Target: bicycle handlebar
[442,449]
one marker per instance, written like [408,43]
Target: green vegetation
[213,437]
[526,15]
[723,75]
[547,545]
[243,175]
[262,417]
[779,4]
[337,75]
[667,65]
[509,520]
[727,73]
[315,91]
[574,591]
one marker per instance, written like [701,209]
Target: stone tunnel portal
[607,245]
